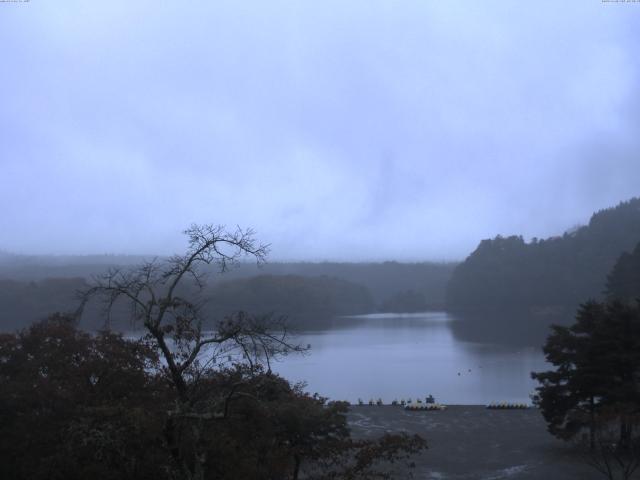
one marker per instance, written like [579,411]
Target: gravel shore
[472,442]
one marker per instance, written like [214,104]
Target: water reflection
[395,356]
[507,327]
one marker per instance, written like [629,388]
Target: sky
[338,130]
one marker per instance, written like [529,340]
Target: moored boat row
[417,404]
[425,406]
[507,406]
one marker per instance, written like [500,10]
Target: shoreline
[472,442]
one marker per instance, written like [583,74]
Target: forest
[563,271]
[307,293]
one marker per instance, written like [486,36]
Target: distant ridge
[558,271]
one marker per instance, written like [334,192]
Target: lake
[393,356]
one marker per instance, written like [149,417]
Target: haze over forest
[345,131]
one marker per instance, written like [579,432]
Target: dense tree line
[26,302]
[407,301]
[385,281]
[301,299]
[305,300]
[509,272]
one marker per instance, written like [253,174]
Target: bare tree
[165,298]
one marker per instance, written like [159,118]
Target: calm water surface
[410,355]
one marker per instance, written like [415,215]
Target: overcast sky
[345,130]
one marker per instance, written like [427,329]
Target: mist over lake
[394,356]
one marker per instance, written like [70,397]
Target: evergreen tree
[597,364]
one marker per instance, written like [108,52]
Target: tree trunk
[592,424]
[625,433]
[199,457]
[296,468]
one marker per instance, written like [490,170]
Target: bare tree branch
[163,296]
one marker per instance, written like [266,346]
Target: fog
[360,130]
